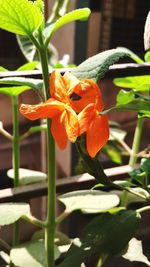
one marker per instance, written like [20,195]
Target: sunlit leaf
[28,176]
[12,212]
[20,17]
[95,67]
[78,14]
[147,56]
[138,83]
[3,69]
[30,254]
[28,66]
[13,90]
[135,252]
[89,201]
[138,105]
[113,153]
[117,134]
[124,97]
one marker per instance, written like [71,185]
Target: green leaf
[135,252]
[108,234]
[95,67]
[13,90]
[30,53]
[32,83]
[124,97]
[145,165]
[147,56]
[113,153]
[30,254]
[12,212]
[134,56]
[138,105]
[117,134]
[28,66]
[28,176]
[138,83]
[89,201]
[147,33]
[3,69]
[20,17]
[78,14]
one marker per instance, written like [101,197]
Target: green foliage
[32,83]
[147,33]
[28,66]
[30,53]
[20,17]
[28,176]
[30,254]
[112,152]
[125,97]
[131,54]
[13,90]
[78,14]
[89,201]
[12,212]
[96,67]
[138,105]
[138,83]
[147,57]
[99,235]
[140,175]
[135,252]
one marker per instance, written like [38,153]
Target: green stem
[51,198]
[136,141]
[143,209]
[62,216]
[33,220]
[15,158]
[102,260]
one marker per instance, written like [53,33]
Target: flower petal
[59,132]
[49,109]
[89,92]
[71,124]
[85,117]
[70,81]
[97,135]
[57,86]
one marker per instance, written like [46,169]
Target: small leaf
[147,56]
[145,165]
[78,14]
[32,83]
[138,83]
[12,212]
[89,201]
[108,234]
[28,176]
[138,105]
[20,17]
[147,33]
[135,252]
[28,66]
[30,254]
[3,69]
[13,90]
[95,67]
[124,97]
[113,153]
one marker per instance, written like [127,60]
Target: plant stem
[136,141]
[102,260]
[51,198]
[62,216]
[33,220]
[15,159]
[143,209]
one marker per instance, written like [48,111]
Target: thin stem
[6,134]
[102,260]
[33,220]
[51,198]
[143,209]
[5,245]
[15,159]
[136,141]
[62,216]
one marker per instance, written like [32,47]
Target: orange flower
[65,123]
[96,128]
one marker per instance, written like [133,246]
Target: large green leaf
[138,83]
[108,234]
[32,83]
[95,67]
[30,254]
[20,17]
[28,176]
[134,56]
[135,252]
[89,201]
[29,50]
[13,90]
[78,14]
[12,212]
